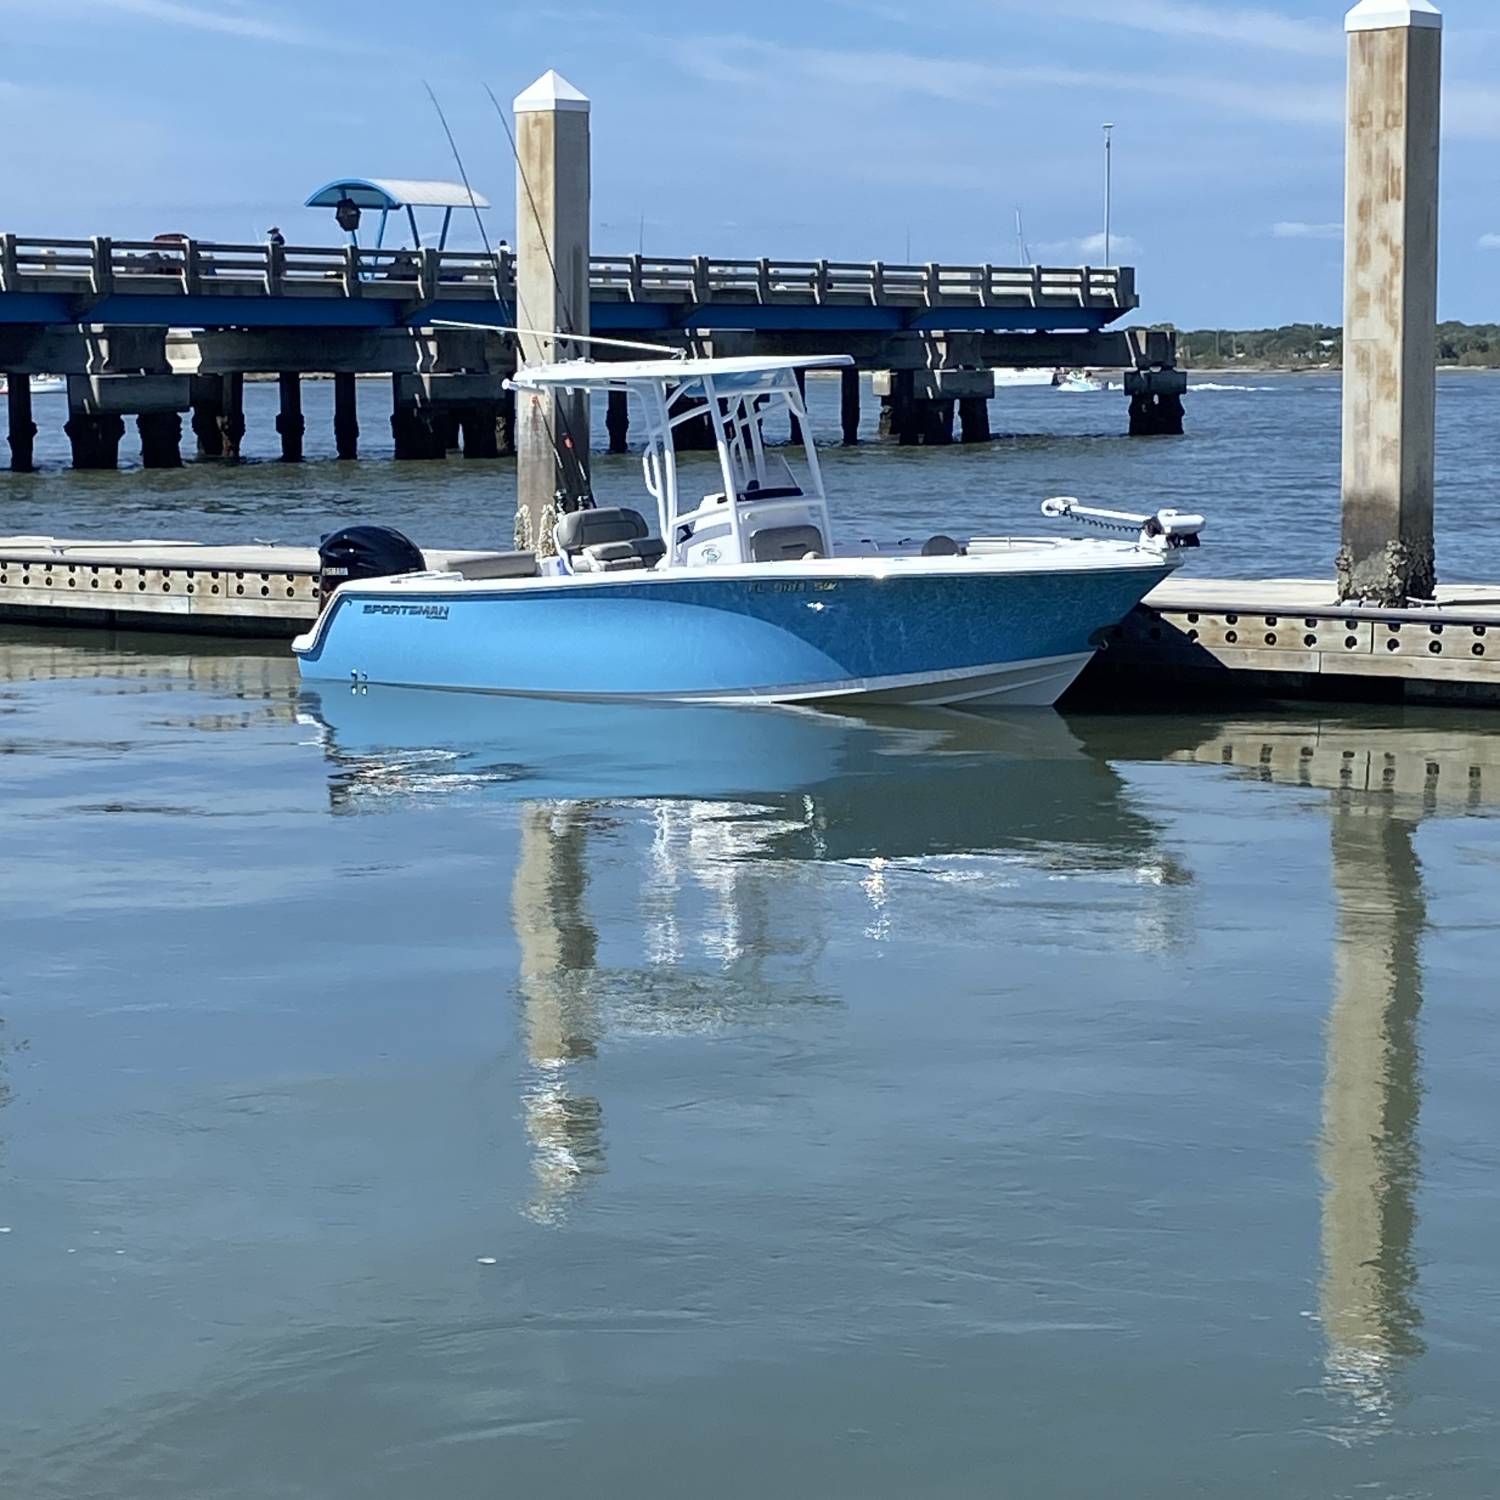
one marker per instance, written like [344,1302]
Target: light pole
[1108,188]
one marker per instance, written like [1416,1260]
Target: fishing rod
[484,239]
[572,338]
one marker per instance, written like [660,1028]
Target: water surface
[415,1093]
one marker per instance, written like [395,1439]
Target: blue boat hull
[1013,637]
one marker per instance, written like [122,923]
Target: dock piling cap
[1391,15]
[551,93]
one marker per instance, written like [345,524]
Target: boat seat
[607,539]
[786,544]
[755,491]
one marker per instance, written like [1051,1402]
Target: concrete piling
[94,437]
[208,407]
[1390,301]
[552,293]
[231,416]
[415,427]
[345,416]
[898,405]
[974,419]
[617,421]
[22,429]
[796,426]
[1156,402]
[849,405]
[505,425]
[161,439]
[290,423]
[479,429]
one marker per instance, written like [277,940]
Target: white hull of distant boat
[41,385]
[741,596]
[1010,380]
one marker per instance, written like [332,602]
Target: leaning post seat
[607,539]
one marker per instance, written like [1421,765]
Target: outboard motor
[364,552]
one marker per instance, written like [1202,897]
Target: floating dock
[1192,638]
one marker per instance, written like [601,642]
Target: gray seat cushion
[786,543]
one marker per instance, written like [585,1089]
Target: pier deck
[1285,638]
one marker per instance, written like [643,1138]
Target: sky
[845,129]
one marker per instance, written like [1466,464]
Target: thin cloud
[1242,26]
[751,61]
[1489,242]
[1293,229]
[227,21]
[1089,248]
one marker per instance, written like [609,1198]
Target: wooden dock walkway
[1283,638]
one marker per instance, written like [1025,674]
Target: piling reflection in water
[1384,778]
[733,800]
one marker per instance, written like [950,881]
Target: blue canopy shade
[388,193]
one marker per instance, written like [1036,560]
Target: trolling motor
[1165,530]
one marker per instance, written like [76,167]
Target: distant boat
[1006,380]
[1079,382]
[41,385]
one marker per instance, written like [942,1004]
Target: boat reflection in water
[714,809]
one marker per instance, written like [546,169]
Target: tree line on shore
[1321,346]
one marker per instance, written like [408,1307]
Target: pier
[161,330]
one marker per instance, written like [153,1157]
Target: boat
[1078,382]
[1018,379]
[41,385]
[739,595]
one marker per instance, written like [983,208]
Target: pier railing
[93,269]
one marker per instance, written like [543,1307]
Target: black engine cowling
[366,552]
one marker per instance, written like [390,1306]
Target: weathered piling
[796,424]
[161,439]
[552,295]
[479,429]
[231,416]
[415,427]
[1390,301]
[974,419]
[94,437]
[290,423]
[617,421]
[898,406]
[346,416]
[208,408]
[849,405]
[22,437]
[1156,402]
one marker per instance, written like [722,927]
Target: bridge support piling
[231,416]
[345,416]
[22,428]
[290,423]
[416,429]
[95,440]
[1390,302]
[505,425]
[479,427]
[935,417]
[1156,402]
[617,421]
[447,422]
[898,406]
[796,425]
[208,407]
[161,439]
[849,405]
[974,419]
